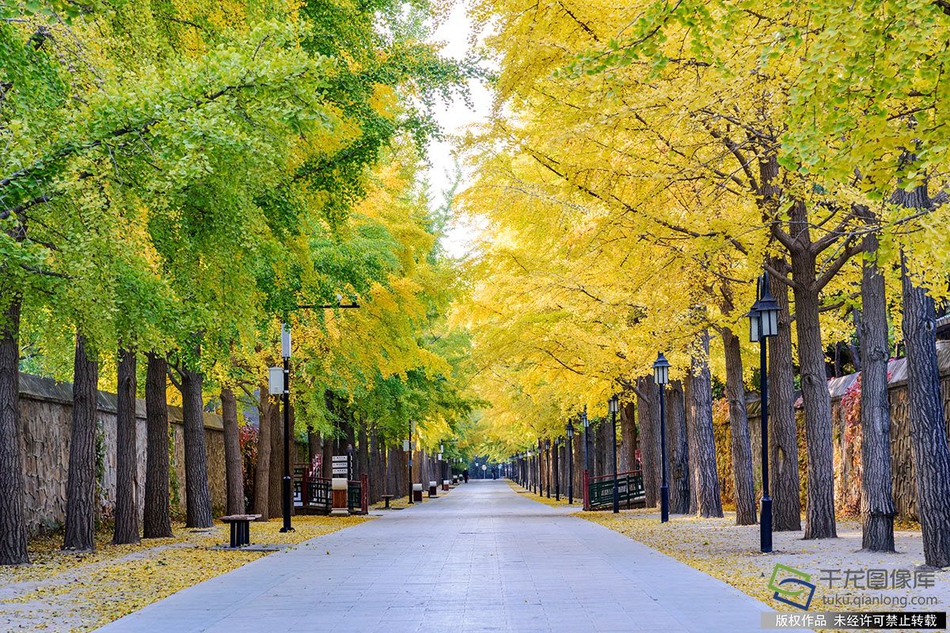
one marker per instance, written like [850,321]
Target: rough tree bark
[877,502]
[233,462]
[12,521]
[81,479]
[785,478]
[820,509]
[157,523]
[648,406]
[262,470]
[276,460]
[708,498]
[328,442]
[628,437]
[928,436]
[678,447]
[691,446]
[198,499]
[739,431]
[126,483]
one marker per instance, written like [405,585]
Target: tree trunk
[691,447]
[12,520]
[739,431]
[877,503]
[328,457]
[678,447]
[262,472]
[648,406]
[198,499]
[785,477]
[628,437]
[276,460]
[927,432]
[233,462]
[708,498]
[157,522]
[820,509]
[81,480]
[126,484]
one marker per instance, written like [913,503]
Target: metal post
[765,524]
[664,488]
[613,427]
[287,488]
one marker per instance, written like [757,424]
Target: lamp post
[570,462]
[763,323]
[286,483]
[661,374]
[614,405]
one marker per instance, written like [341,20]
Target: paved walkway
[483,558]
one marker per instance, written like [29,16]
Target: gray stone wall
[45,410]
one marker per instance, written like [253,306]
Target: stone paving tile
[483,559]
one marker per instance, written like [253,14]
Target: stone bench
[240,528]
[387,499]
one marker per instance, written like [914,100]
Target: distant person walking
[465,475]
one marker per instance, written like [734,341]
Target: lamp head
[661,370]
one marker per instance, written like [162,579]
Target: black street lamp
[614,406]
[286,482]
[570,462]
[763,323]
[661,374]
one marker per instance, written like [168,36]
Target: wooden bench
[240,528]
[387,498]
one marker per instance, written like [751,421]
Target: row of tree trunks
[263,469]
